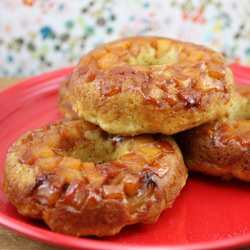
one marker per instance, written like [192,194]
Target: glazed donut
[83,181]
[222,147]
[150,85]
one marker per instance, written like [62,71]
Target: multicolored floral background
[42,35]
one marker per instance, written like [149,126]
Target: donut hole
[159,52]
[87,143]
[93,147]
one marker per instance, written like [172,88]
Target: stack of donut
[112,162]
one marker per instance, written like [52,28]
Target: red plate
[209,213]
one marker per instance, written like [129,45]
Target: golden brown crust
[82,181]
[222,147]
[150,85]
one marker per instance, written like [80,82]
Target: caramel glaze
[79,189]
[194,72]
[230,132]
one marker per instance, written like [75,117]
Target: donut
[83,181]
[221,147]
[150,85]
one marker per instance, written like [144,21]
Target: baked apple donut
[222,147]
[150,85]
[83,181]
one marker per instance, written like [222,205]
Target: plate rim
[64,240]
[58,239]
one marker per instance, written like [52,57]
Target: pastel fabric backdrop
[42,35]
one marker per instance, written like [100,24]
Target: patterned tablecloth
[41,35]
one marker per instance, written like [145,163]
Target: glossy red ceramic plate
[209,213]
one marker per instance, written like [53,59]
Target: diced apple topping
[52,139]
[92,174]
[150,152]
[112,192]
[107,60]
[131,185]
[48,163]
[42,151]
[69,173]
